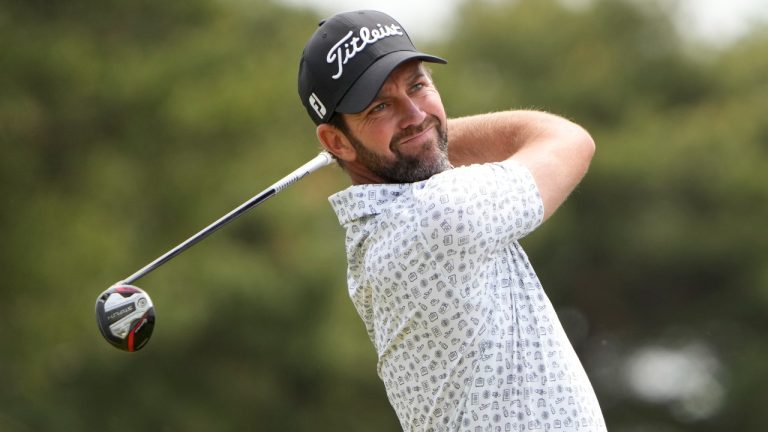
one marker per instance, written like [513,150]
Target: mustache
[412,131]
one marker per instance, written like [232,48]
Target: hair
[337,121]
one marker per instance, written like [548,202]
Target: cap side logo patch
[316,105]
[346,48]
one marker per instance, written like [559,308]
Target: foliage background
[127,126]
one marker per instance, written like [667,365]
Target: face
[401,136]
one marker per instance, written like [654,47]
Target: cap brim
[365,89]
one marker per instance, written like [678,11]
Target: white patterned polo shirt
[466,338]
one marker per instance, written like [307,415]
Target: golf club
[125,313]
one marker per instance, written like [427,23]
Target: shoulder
[480,179]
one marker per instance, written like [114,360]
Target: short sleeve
[489,205]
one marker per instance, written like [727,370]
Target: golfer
[466,336]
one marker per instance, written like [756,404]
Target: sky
[713,21]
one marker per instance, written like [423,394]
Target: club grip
[319,161]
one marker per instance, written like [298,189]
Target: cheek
[377,137]
[434,105]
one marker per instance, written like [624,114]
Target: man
[466,337]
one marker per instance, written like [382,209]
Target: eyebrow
[419,72]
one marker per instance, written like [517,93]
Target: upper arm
[558,160]
[555,150]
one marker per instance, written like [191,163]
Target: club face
[126,317]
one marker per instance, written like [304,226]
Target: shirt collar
[359,201]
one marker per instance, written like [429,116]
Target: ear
[334,140]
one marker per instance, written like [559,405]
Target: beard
[431,159]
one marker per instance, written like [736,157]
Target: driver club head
[126,316]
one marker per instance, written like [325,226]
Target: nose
[411,113]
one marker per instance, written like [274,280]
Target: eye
[378,108]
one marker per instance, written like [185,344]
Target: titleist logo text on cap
[365,37]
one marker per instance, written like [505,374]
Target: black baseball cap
[347,60]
